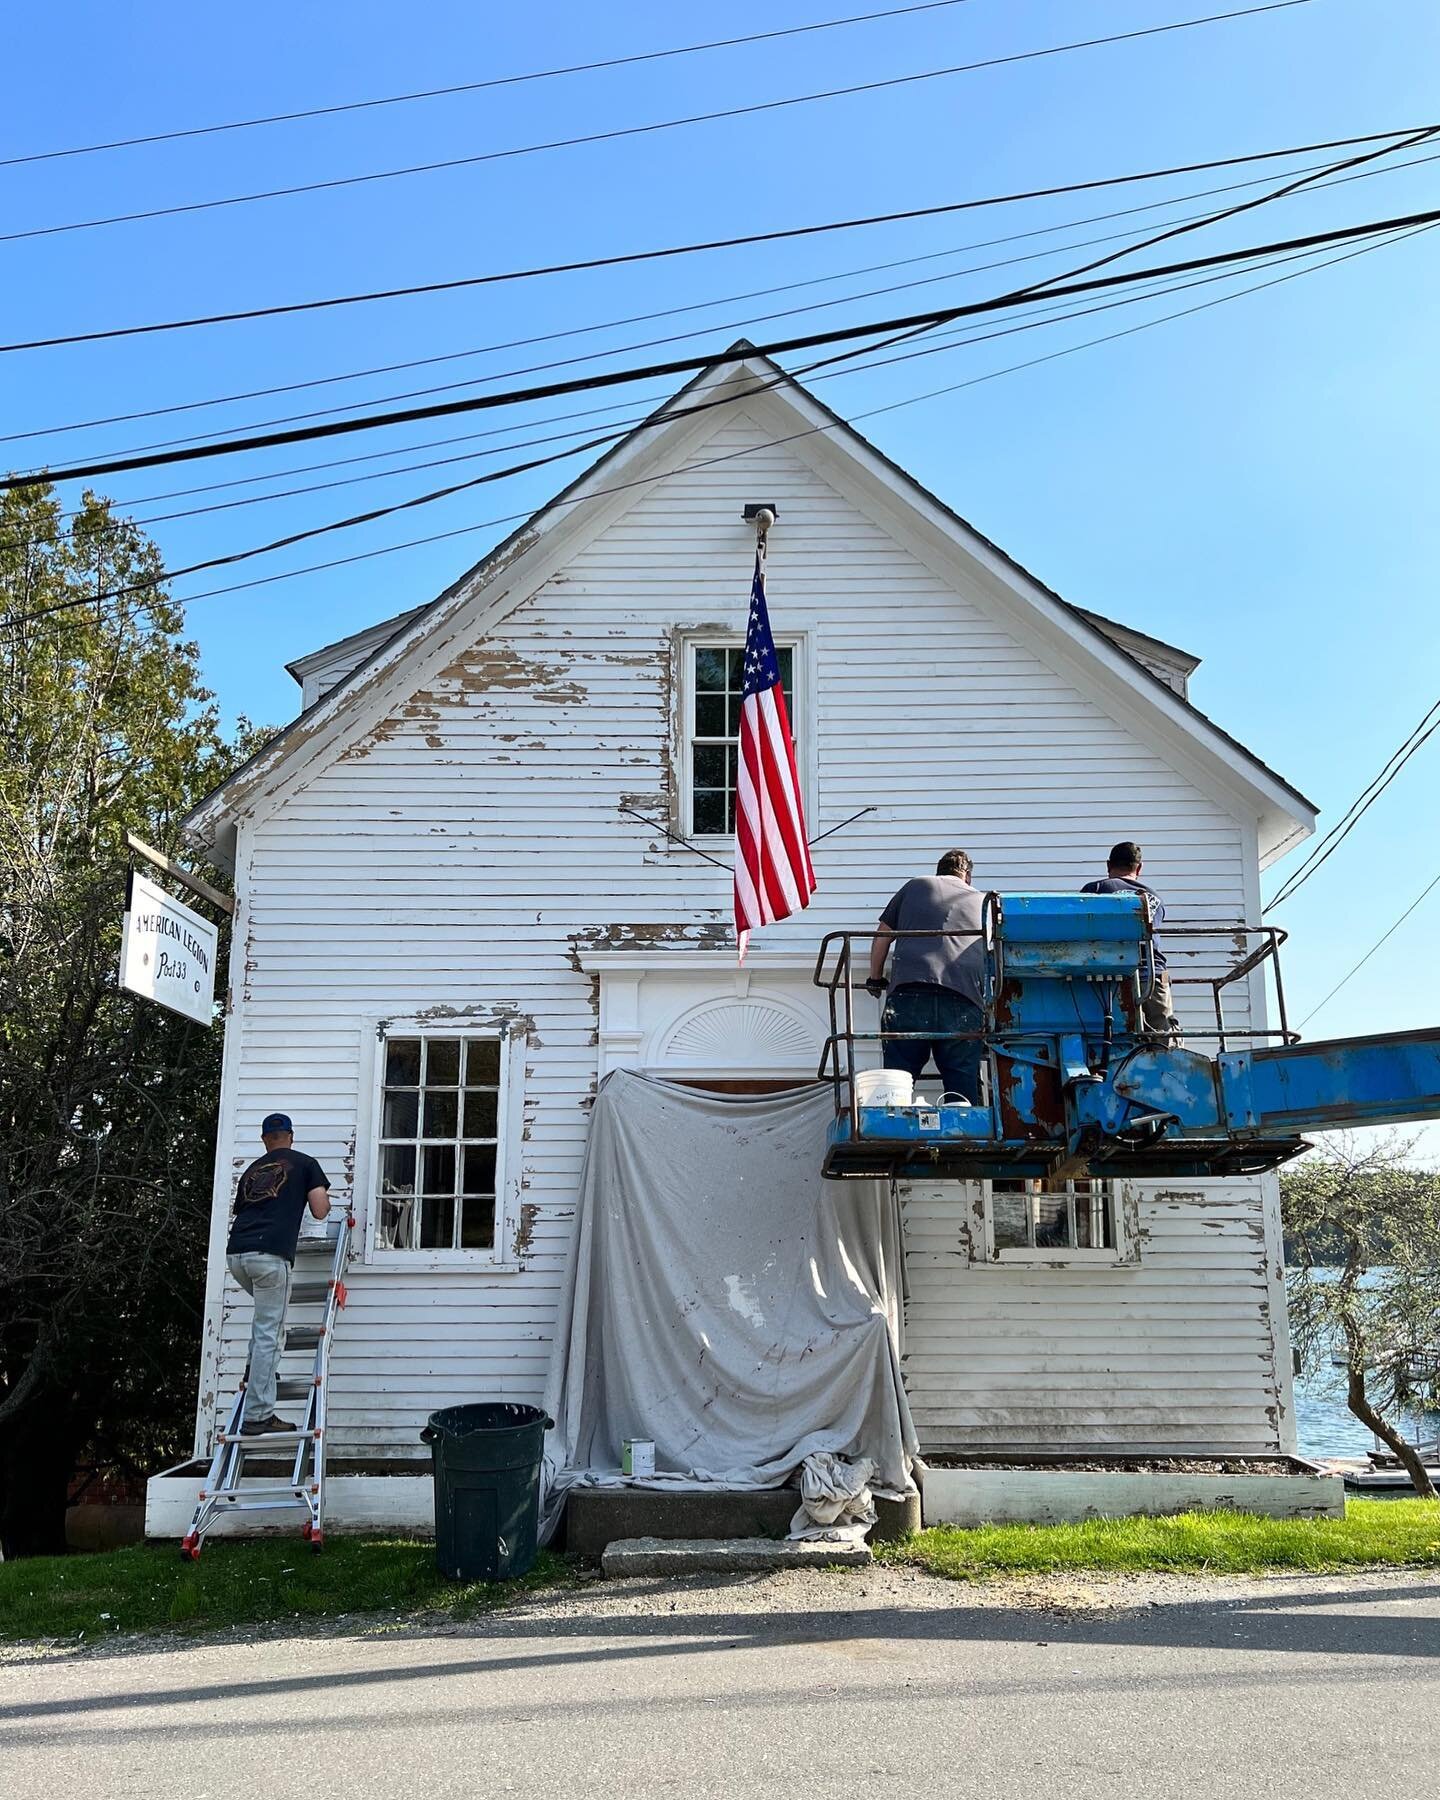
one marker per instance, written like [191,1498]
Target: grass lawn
[148,1587]
[79,1599]
[1397,1532]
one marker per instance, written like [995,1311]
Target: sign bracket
[195,883]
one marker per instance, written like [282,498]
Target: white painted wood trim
[207,1399]
[970,1497]
[352,1503]
[1125,1211]
[510,1114]
[1278,1306]
[684,644]
[1082,653]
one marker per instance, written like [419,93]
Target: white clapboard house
[443,885]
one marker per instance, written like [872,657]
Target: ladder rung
[267,1439]
[319,1246]
[303,1337]
[297,1387]
[303,1292]
[262,1502]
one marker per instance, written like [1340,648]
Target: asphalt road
[814,1684]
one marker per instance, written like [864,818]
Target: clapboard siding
[466,849]
[1173,1353]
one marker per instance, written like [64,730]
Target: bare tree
[1363,1230]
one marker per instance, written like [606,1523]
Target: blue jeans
[266,1279]
[935,1010]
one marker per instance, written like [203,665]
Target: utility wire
[564,500]
[476,87]
[1359,806]
[662,417]
[731,327]
[692,364]
[630,131]
[1051,315]
[929,256]
[693,249]
[1382,939]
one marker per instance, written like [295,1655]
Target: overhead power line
[691,364]
[1053,285]
[787,287]
[1191,222]
[1359,806]
[588,264]
[891,406]
[1384,938]
[649,129]
[1050,315]
[750,39]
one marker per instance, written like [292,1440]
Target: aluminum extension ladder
[226,1489]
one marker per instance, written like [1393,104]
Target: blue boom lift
[1072,1084]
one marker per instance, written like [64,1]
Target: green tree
[1363,1230]
[107,1103]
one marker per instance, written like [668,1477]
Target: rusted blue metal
[1074,1083]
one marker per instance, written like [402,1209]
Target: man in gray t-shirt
[937,983]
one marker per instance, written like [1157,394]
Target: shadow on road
[1326,1623]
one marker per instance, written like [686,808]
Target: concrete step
[726,1556]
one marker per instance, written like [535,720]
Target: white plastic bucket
[884,1087]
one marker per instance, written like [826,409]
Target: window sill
[474,1262]
[1059,1259]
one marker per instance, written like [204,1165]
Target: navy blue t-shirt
[1122,884]
[270,1202]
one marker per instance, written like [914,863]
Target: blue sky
[1255,483]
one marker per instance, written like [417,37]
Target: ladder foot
[317,1541]
[190,1548]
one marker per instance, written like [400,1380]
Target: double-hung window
[1054,1220]
[712,691]
[440,1150]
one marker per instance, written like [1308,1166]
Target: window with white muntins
[711,692]
[440,1150]
[1048,1220]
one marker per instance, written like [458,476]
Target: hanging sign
[167,952]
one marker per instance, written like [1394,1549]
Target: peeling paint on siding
[495,667]
[525,1230]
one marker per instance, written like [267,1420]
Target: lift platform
[1072,1084]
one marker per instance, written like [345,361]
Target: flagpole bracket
[762,514]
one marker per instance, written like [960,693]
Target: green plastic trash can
[486,1459]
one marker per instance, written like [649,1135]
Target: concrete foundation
[595,1517]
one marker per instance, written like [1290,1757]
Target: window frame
[1124,1215]
[802,690]
[509,1117]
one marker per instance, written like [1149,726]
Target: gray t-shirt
[938,903]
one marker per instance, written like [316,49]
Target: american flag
[773,875]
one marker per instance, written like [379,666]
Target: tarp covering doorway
[722,1300]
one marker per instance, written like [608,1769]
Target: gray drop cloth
[722,1300]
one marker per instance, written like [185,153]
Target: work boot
[263,1427]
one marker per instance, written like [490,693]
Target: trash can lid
[488,1415]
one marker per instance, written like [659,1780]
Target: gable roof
[742,374]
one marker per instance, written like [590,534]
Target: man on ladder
[270,1202]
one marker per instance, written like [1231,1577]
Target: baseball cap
[275,1122]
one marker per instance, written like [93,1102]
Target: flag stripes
[773,873]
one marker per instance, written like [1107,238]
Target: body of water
[1327,1427]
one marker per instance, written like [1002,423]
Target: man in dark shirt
[272,1198]
[937,983]
[1122,877]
